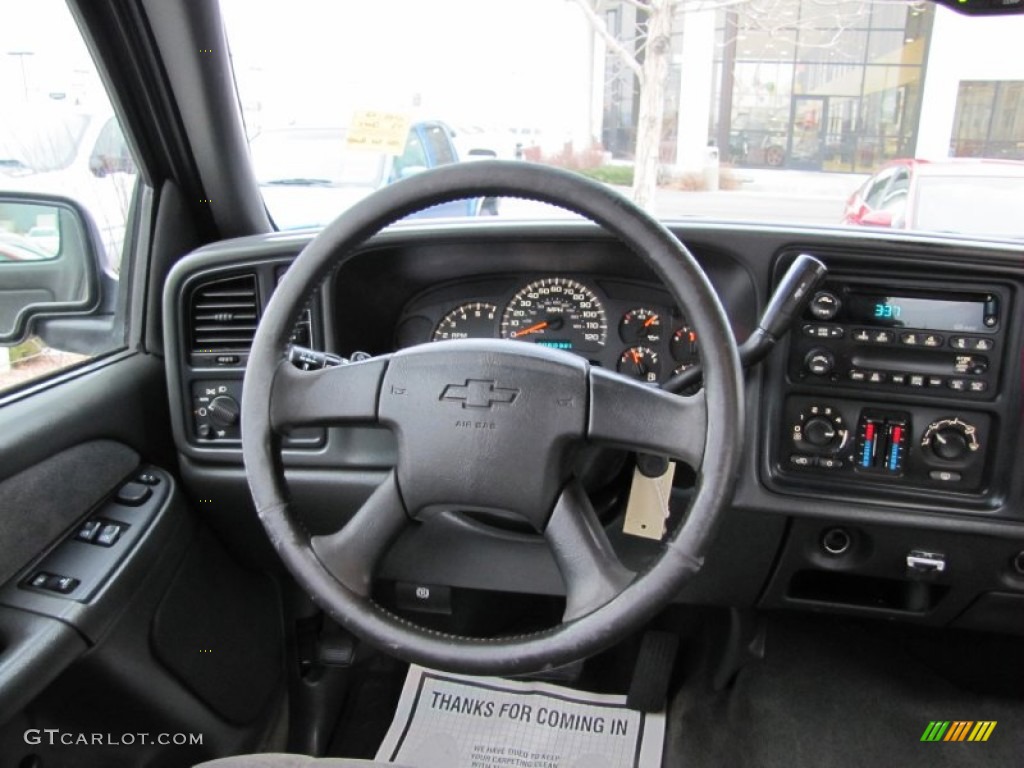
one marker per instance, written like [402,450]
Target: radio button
[961,342]
[978,386]
[823,331]
[984,345]
[910,339]
[899,379]
[825,305]
[882,337]
[820,361]
[916,380]
[932,340]
[936,381]
[876,377]
[862,334]
[856,375]
[957,385]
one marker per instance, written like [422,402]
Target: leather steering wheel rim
[609,604]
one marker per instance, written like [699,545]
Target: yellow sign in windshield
[378,131]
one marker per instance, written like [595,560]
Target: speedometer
[556,312]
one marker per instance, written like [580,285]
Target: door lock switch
[53,582]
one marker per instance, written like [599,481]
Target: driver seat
[281,760]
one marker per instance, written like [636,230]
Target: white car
[82,155]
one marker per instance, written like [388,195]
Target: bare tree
[649,63]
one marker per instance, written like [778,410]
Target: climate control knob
[223,411]
[819,432]
[951,439]
[820,429]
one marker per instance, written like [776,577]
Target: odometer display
[557,312]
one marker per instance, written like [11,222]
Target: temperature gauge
[640,325]
[640,363]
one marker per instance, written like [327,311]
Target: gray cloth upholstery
[39,504]
[279,760]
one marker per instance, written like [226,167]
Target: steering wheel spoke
[592,572]
[628,414]
[338,395]
[351,554]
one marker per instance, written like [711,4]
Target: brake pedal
[652,674]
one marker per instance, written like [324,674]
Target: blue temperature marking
[865,459]
[894,458]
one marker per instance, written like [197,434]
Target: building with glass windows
[815,85]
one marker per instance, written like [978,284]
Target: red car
[968,196]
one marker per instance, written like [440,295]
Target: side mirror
[877,219]
[49,265]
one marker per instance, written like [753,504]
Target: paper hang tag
[376,131]
[647,509]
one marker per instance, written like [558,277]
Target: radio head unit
[940,342]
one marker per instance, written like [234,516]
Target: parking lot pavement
[821,207]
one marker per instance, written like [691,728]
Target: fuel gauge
[640,363]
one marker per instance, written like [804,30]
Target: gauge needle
[637,361]
[532,329]
[650,320]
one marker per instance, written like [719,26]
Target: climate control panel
[904,446]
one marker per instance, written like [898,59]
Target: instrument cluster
[627,327]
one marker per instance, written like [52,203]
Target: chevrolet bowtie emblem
[479,394]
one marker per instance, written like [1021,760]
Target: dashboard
[879,473]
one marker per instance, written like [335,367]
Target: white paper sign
[454,721]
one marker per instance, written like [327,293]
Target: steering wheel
[492,425]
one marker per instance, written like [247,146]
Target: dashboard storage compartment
[924,576]
[865,591]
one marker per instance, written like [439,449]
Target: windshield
[782,111]
[983,205]
[313,157]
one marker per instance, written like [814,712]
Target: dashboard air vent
[223,314]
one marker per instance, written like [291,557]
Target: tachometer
[469,321]
[556,312]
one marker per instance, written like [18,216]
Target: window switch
[39,580]
[63,584]
[133,494]
[108,535]
[89,530]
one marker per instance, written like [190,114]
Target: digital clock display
[887,311]
[912,312]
